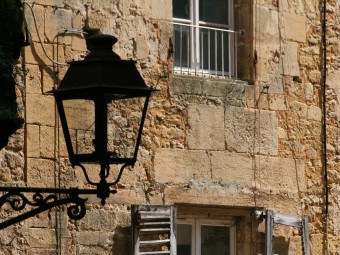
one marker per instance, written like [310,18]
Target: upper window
[204,37]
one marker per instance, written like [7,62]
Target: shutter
[288,220]
[154,229]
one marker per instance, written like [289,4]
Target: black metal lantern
[102,103]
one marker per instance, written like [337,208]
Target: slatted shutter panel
[154,229]
[288,220]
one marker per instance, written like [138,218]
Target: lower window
[205,237]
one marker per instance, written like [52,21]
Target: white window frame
[195,49]
[196,232]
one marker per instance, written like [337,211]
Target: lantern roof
[102,71]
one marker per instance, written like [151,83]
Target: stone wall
[250,143]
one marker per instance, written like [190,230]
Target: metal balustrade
[207,49]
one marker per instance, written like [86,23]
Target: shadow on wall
[11,42]
[122,241]
[280,244]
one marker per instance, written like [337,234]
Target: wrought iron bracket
[38,200]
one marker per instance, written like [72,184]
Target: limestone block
[295,27]
[277,103]
[100,4]
[141,47]
[78,43]
[42,220]
[58,19]
[206,127]
[124,196]
[48,143]
[267,28]
[39,13]
[93,250]
[232,168]
[33,79]
[298,108]
[40,172]
[97,238]
[33,140]
[333,81]
[40,110]
[161,9]
[275,84]
[41,251]
[280,174]
[34,54]
[49,78]
[248,130]
[166,30]
[314,113]
[174,165]
[309,92]
[249,96]
[300,6]
[209,193]
[41,238]
[77,22]
[96,220]
[289,62]
[231,91]
[56,3]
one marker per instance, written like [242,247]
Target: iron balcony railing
[207,49]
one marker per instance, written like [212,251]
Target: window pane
[182,46]
[184,232]
[215,240]
[214,52]
[181,9]
[214,11]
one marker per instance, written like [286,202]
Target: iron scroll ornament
[43,199]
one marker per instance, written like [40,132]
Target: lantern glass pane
[124,120]
[80,117]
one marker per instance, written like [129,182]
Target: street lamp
[102,103]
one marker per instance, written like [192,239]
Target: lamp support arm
[42,199]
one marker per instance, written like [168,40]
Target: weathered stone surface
[299,108]
[314,113]
[33,141]
[208,193]
[40,172]
[33,79]
[206,127]
[231,91]
[40,110]
[251,130]
[39,13]
[34,54]
[295,27]
[277,103]
[173,165]
[58,19]
[280,174]
[160,9]
[289,62]
[41,238]
[48,142]
[267,26]
[232,169]
[98,220]
[94,238]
